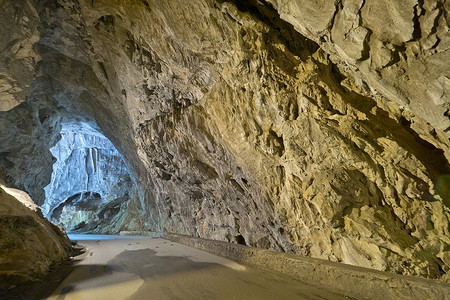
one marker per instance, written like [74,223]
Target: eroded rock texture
[90,181]
[397,48]
[308,127]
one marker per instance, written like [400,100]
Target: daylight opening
[90,180]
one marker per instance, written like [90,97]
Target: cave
[313,128]
[89,183]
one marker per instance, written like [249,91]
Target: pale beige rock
[238,128]
[29,244]
[346,33]
[407,40]
[390,20]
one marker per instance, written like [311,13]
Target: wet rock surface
[315,131]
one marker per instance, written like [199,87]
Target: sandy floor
[146,268]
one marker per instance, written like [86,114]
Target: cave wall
[279,126]
[90,180]
[393,48]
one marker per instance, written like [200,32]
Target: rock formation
[29,244]
[314,127]
[90,181]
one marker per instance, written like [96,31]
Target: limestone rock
[399,48]
[17,55]
[393,21]
[26,132]
[89,179]
[254,123]
[347,34]
[29,243]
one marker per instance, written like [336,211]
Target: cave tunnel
[273,133]
[90,180]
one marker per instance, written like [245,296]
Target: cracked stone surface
[318,129]
[393,48]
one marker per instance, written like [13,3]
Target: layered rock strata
[313,129]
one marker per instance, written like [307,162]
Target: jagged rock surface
[90,181]
[17,42]
[29,244]
[394,48]
[238,128]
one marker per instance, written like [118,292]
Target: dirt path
[146,268]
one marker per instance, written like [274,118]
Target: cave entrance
[90,181]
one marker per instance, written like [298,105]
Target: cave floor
[117,267]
